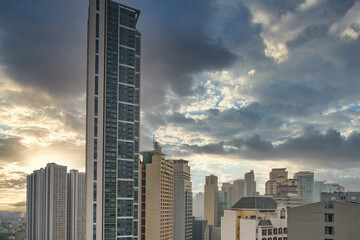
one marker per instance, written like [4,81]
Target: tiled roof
[260,203]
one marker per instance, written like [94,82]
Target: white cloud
[252,72]
[349,25]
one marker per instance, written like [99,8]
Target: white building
[47,203]
[182,215]
[76,205]
[56,204]
[255,218]
[198,205]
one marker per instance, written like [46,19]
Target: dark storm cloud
[11,150]
[43,44]
[18,204]
[17,184]
[312,147]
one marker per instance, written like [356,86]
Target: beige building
[157,176]
[255,218]
[325,220]
[211,200]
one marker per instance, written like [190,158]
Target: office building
[278,173]
[211,197]
[222,205]
[250,185]
[113,127]
[323,187]
[198,205]
[254,218]
[47,203]
[341,196]
[200,229]
[182,212]
[289,200]
[229,191]
[324,220]
[157,181]
[305,183]
[76,205]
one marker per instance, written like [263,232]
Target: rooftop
[260,203]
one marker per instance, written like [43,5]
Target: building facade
[323,187]
[341,196]
[305,181]
[198,205]
[325,220]
[113,121]
[254,218]
[76,205]
[182,210]
[157,182]
[211,198]
[200,229]
[250,185]
[47,203]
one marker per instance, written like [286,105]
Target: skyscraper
[182,201]
[250,184]
[305,181]
[198,205]
[157,180]
[113,114]
[211,199]
[76,207]
[47,203]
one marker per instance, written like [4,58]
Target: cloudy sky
[230,85]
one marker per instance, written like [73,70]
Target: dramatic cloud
[230,85]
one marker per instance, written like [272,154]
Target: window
[269,231]
[275,230]
[95,148]
[95,127]
[97,64]
[96,106]
[97,25]
[96,85]
[280,231]
[125,169]
[97,5]
[353,198]
[95,192]
[329,230]
[125,208]
[285,230]
[329,217]
[264,232]
[97,46]
[94,213]
[95,170]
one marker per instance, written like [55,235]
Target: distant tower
[305,181]
[47,203]
[182,201]
[157,181]
[211,199]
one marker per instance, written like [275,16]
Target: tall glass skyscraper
[113,114]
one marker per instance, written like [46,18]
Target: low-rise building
[325,221]
[255,218]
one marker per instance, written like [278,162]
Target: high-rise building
[47,203]
[211,200]
[182,201]
[278,173]
[222,205]
[76,207]
[200,229]
[113,114]
[229,191]
[198,205]
[250,184]
[157,181]
[305,181]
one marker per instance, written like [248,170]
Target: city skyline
[230,86]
